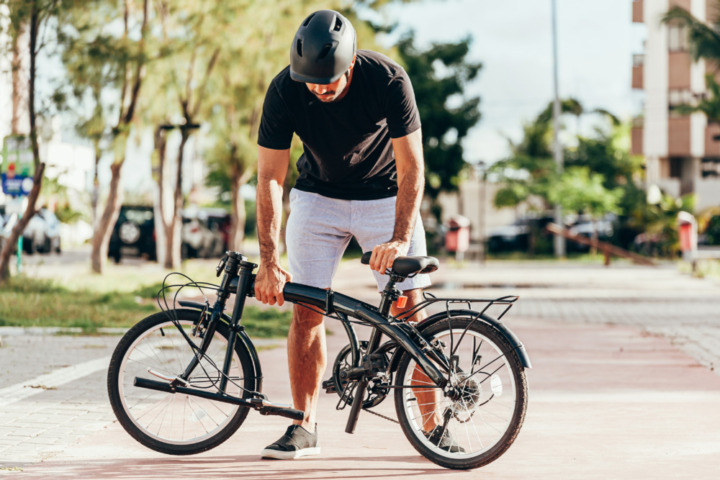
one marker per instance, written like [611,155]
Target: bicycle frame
[239,279]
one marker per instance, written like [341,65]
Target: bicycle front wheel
[175,423]
[482,421]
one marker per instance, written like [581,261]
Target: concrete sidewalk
[606,401]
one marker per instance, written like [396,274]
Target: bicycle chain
[381,415]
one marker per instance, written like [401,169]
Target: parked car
[133,233]
[516,236]
[204,233]
[587,228]
[42,233]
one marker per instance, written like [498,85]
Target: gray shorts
[320,228]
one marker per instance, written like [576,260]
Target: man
[361,174]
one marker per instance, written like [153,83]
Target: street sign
[16,185]
[18,166]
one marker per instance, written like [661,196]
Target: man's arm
[411,182]
[271,278]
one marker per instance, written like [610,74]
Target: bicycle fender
[500,327]
[242,335]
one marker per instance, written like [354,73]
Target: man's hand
[269,283]
[385,254]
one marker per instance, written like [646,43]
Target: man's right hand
[269,283]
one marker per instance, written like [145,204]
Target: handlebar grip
[365,260]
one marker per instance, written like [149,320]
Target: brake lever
[221,265]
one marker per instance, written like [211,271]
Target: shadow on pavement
[245,466]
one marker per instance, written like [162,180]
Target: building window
[676,164]
[677,38]
[680,97]
[710,167]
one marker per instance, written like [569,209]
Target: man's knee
[305,319]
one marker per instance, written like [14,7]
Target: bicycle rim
[482,423]
[178,423]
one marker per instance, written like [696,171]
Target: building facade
[682,152]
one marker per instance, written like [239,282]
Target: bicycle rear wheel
[176,423]
[479,425]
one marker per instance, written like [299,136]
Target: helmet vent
[325,50]
[307,20]
[298,47]
[338,24]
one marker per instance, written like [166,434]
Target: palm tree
[704,39]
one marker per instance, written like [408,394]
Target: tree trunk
[39,167]
[173,230]
[105,225]
[238,215]
[95,195]
[161,150]
[19,228]
[17,72]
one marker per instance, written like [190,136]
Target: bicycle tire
[487,417]
[175,423]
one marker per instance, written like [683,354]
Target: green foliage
[708,104]
[580,190]
[712,231]
[704,38]
[439,76]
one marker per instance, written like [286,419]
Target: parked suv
[204,233]
[133,234]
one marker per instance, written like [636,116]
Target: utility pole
[559,242]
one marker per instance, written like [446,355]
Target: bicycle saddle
[406,266]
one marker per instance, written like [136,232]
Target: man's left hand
[385,254]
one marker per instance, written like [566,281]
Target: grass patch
[266,323]
[30,302]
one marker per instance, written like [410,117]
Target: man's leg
[316,238]
[427,398]
[307,358]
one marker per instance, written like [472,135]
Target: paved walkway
[622,387]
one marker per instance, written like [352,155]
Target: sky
[513,41]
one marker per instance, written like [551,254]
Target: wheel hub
[466,400]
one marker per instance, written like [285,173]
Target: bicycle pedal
[329,386]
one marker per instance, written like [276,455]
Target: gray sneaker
[444,440]
[297,442]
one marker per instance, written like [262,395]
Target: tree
[581,190]
[704,38]
[599,163]
[439,76]
[118,57]
[189,38]
[33,15]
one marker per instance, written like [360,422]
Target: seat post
[389,294]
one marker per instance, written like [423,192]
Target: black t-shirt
[347,144]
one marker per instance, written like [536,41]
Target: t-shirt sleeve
[403,117]
[276,129]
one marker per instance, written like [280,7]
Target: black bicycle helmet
[323,48]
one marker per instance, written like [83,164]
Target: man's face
[330,92]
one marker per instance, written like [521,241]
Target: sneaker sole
[280,455]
